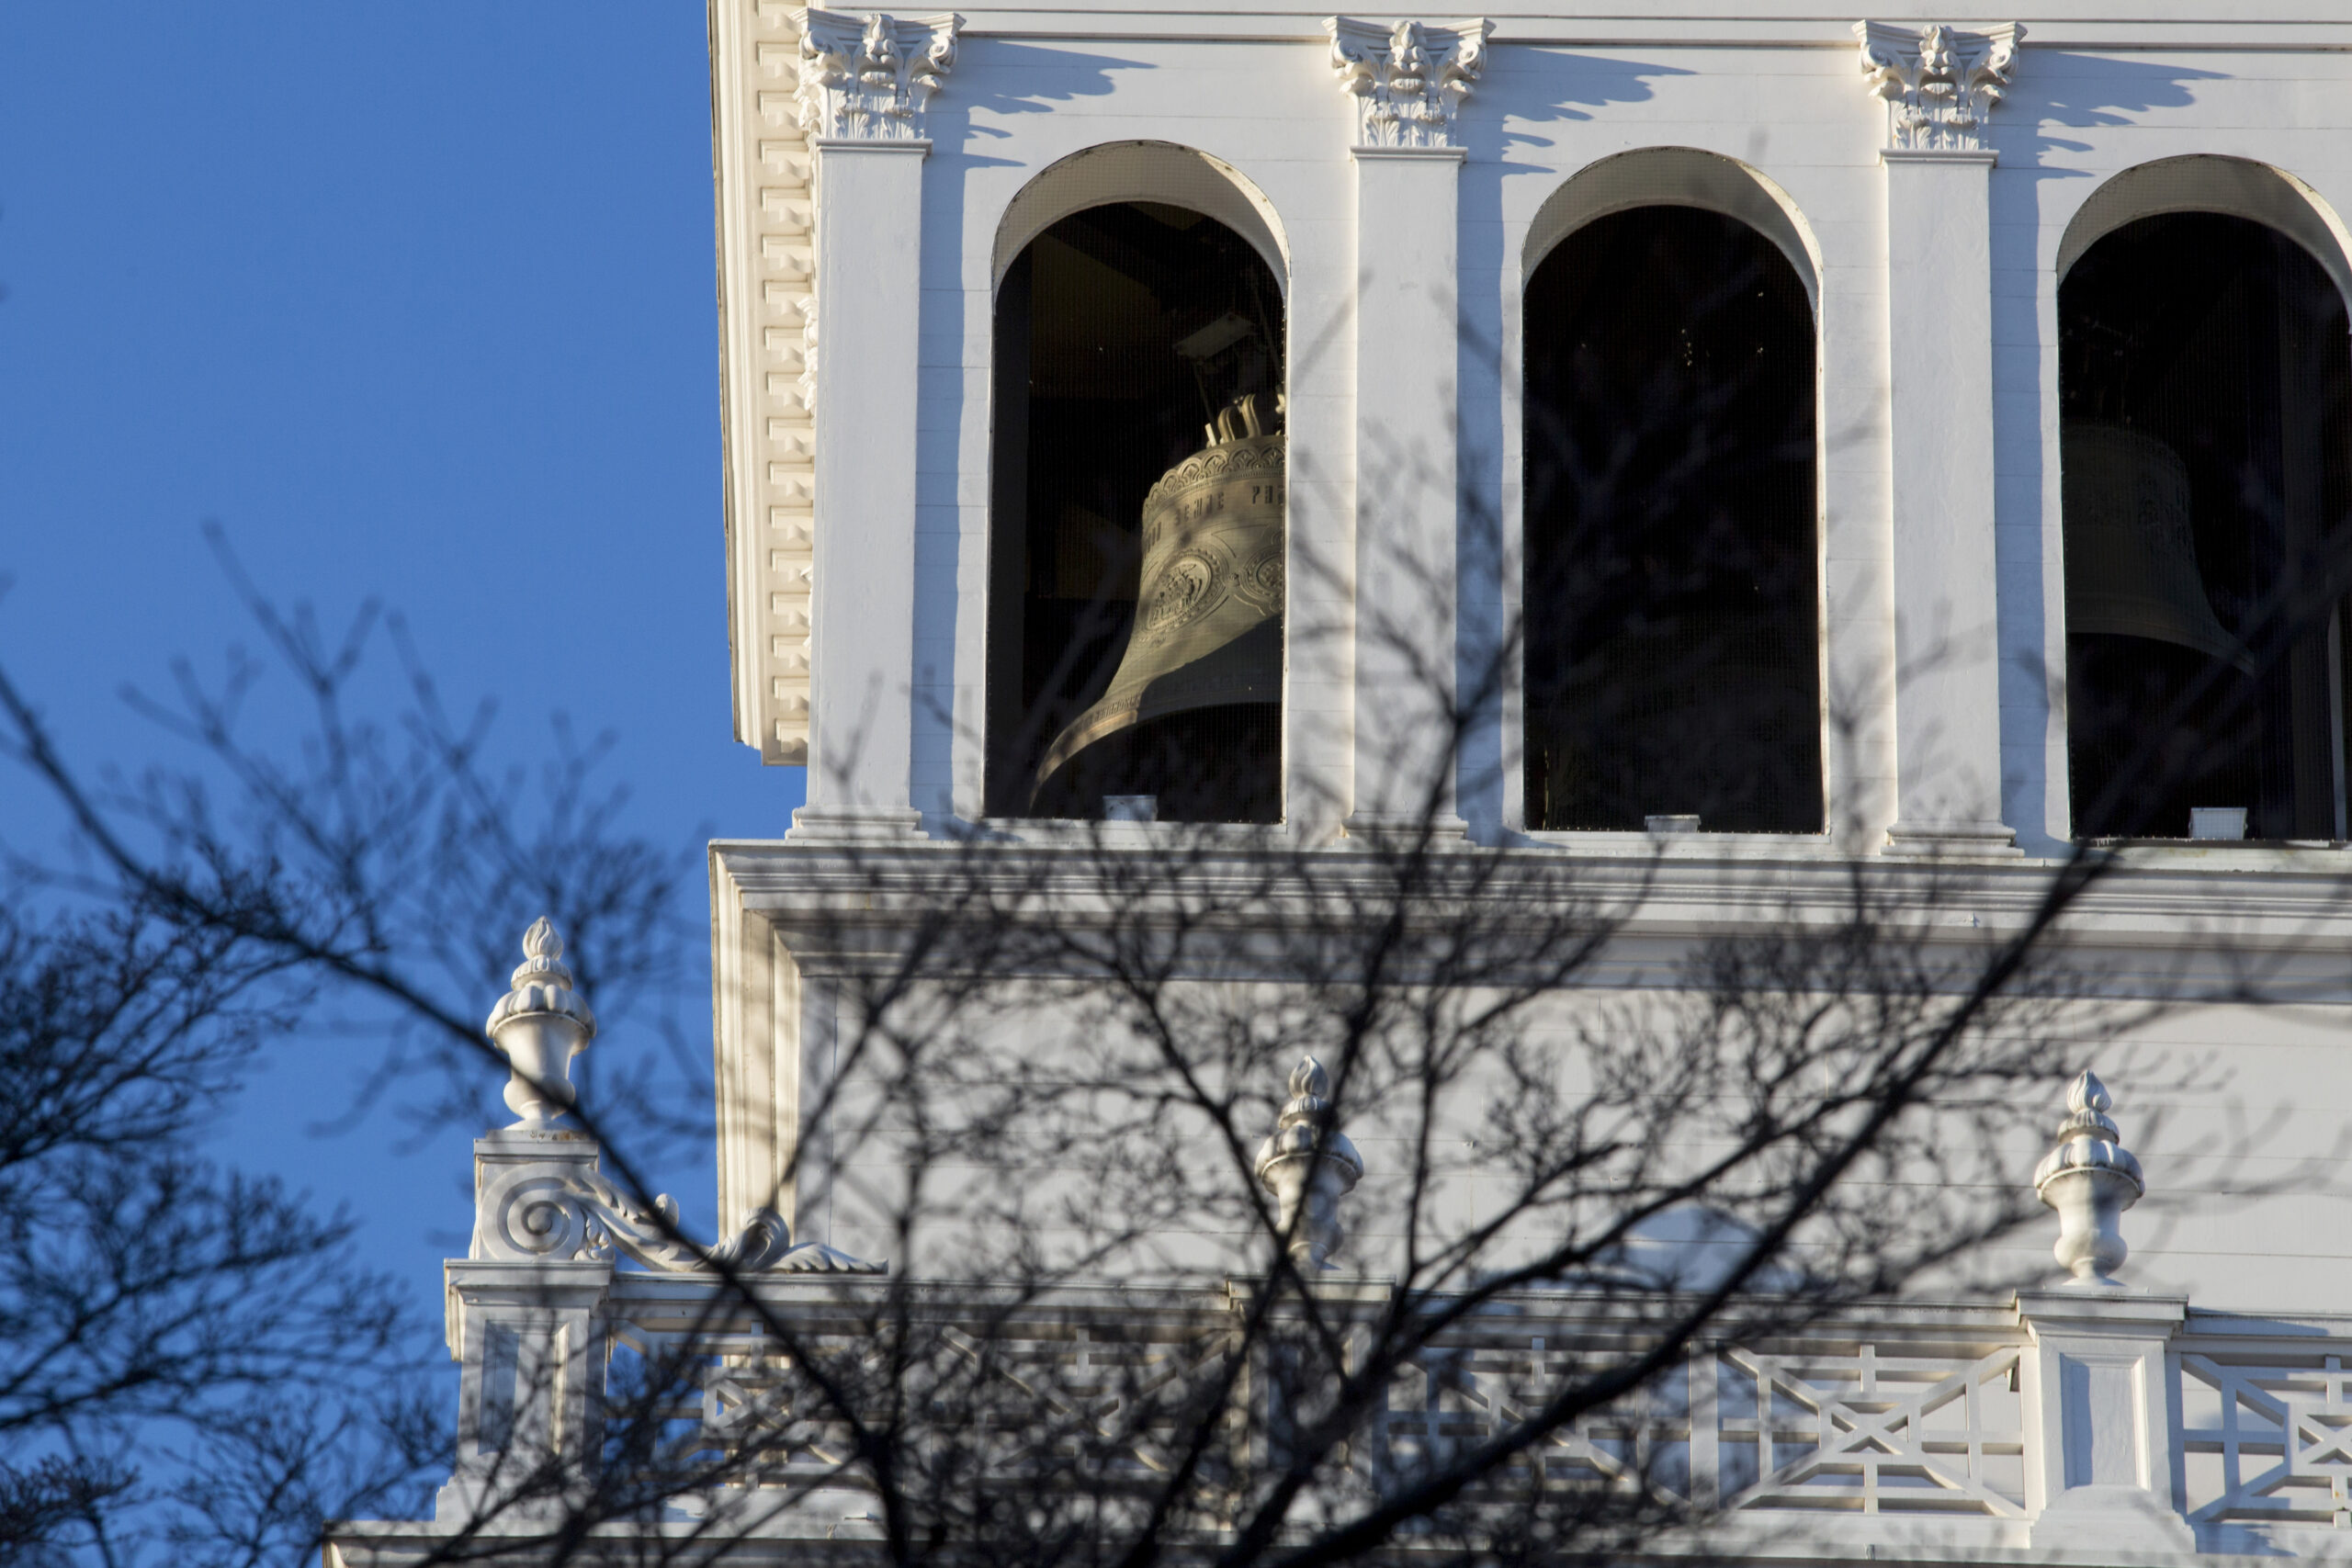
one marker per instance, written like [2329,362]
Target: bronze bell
[2131,547]
[1208,627]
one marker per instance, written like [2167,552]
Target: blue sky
[416,300]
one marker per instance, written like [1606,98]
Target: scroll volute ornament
[1208,627]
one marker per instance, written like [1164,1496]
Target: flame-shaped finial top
[541,983]
[2089,1140]
[1309,1106]
[2089,1103]
[1310,1081]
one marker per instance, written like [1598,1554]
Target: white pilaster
[1406,82]
[863,86]
[1939,86]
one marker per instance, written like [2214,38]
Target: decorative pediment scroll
[1940,83]
[1406,81]
[539,1196]
[559,1207]
[869,78]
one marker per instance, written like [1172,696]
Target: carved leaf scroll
[1940,83]
[1407,82]
[869,78]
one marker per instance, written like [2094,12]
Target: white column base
[2111,1519]
[855,825]
[1963,840]
[1397,829]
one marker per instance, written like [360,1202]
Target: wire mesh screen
[1672,660]
[1122,331]
[2205,389]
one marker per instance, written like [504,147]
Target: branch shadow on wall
[1048,79]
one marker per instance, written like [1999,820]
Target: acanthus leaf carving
[1407,82]
[1940,83]
[869,78]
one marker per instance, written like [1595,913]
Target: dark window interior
[1672,646]
[1120,333]
[2205,387]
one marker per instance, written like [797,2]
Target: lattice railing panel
[1113,1400]
[1871,1433]
[2267,1440]
[1854,1428]
[1463,1393]
[1109,1400]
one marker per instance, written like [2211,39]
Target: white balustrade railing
[2002,1427]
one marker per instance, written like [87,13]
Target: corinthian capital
[1406,81]
[1940,83]
[868,78]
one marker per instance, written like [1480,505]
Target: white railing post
[2100,1420]
[532,1338]
[527,1305]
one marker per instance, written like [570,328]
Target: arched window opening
[1672,661]
[2205,389]
[1137,527]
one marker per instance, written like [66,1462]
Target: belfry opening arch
[2205,472]
[1161,172]
[1676,176]
[1669,561]
[1138,540]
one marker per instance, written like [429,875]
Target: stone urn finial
[1307,1182]
[2090,1178]
[540,1025]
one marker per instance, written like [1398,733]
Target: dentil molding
[767,277]
[1940,83]
[1406,81]
[869,78]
